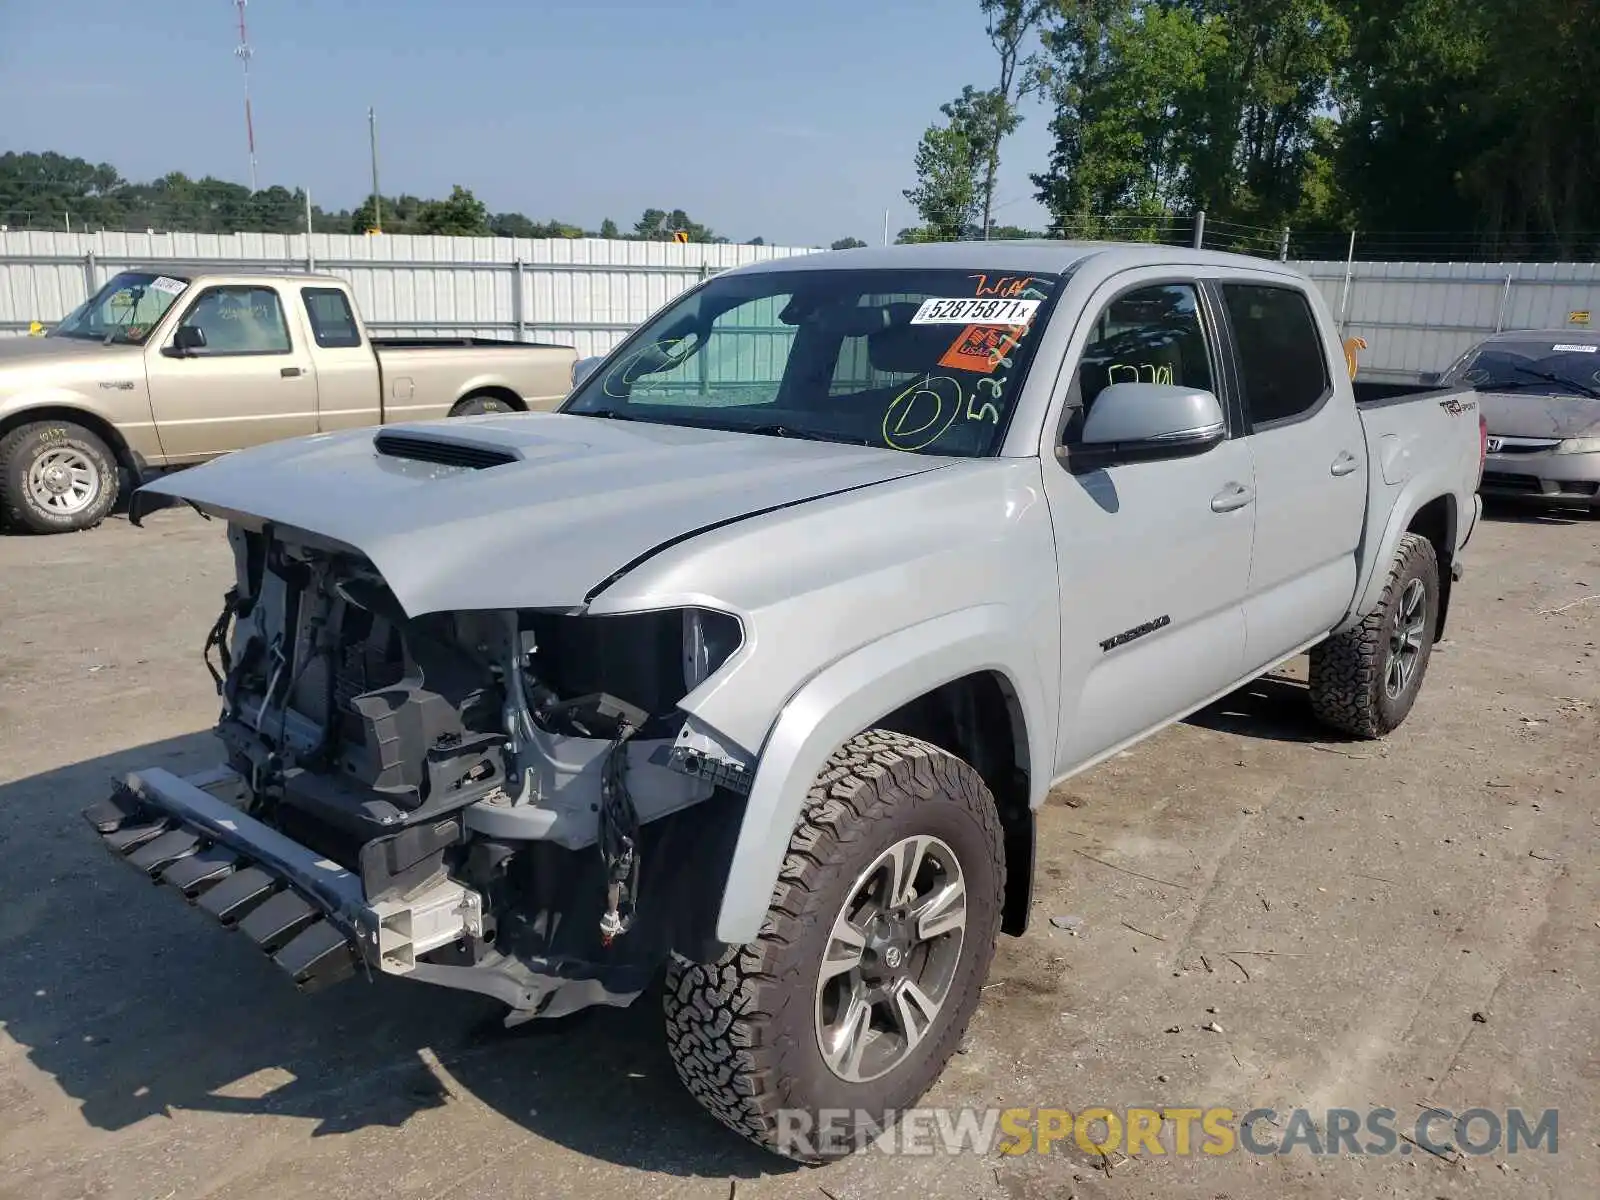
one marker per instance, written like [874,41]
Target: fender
[843,699]
[63,404]
[1413,496]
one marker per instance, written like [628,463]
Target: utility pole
[243,52]
[377,197]
[886,227]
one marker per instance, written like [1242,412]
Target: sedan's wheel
[1365,680]
[870,963]
[56,476]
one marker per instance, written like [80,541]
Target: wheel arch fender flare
[848,696]
[70,408]
[1375,569]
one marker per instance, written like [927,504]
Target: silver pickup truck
[753,663]
[166,368]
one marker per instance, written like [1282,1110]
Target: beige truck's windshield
[916,360]
[125,310]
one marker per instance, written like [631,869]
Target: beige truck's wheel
[481,403]
[55,477]
[869,965]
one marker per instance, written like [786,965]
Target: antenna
[243,53]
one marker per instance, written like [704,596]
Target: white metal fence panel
[587,293]
[1419,317]
[583,292]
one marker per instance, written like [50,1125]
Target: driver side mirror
[584,368]
[1145,422]
[186,339]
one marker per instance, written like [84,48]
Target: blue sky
[795,122]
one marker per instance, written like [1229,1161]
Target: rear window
[1281,360]
[332,323]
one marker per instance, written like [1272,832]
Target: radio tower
[243,52]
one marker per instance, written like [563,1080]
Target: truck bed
[1372,393]
[421,343]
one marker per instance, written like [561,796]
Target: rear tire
[1365,680]
[902,841]
[56,477]
[482,404]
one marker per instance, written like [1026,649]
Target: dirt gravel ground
[1338,911]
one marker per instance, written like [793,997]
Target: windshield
[1559,368]
[125,310]
[923,361]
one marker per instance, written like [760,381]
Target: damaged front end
[508,802]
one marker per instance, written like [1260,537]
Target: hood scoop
[443,451]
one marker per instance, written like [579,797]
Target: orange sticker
[980,348]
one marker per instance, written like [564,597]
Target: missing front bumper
[308,913]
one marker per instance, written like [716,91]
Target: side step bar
[308,913]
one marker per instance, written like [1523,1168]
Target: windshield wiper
[789,431]
[609,414]
[785,431]
[1582,389]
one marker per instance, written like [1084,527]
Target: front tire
[869,965]
[56,477]
[1365,680]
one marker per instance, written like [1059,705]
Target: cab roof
[1043,255]
[266,270]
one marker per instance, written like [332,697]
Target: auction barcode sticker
[172,287]
[967,311]
[1576,349]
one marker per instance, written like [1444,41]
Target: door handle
[1343,465]
[1235,495]
[289,372]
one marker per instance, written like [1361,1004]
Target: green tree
[608,229]
[1008,23]
[950,162]
[659,225]
[461,214]
[848,243]
[1179,104]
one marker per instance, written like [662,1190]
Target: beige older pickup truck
[164,368]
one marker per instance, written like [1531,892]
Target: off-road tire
[22,447]
[1347,670]
[481,404]
[741,1031]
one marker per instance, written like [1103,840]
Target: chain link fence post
[1200,229]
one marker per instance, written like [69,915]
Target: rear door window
[1282,364]
[333,324]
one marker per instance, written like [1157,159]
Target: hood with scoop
[537,510]
[1532,414]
